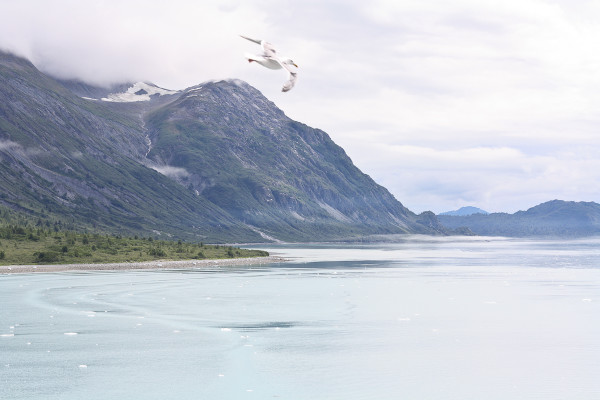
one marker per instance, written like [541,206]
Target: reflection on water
[440,318]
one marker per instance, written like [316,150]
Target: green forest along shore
[22,245]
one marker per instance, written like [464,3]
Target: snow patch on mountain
[140,91]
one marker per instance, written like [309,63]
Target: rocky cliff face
[217,161]
[227,142]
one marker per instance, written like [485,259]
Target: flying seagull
[269,59]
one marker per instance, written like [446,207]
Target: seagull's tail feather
[252,40]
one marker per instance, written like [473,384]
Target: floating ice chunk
[176,331]
[586,300]
[70,333]
[7,335]
[82,366]
[225,329]
[221,376]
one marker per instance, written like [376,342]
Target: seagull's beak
[295,65]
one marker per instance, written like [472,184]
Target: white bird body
[269,59]
[265,62]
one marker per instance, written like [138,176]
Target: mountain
[465,211]
[227,142]
[215,162]
[81,163]
[553,218]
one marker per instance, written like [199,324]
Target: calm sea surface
[450,318]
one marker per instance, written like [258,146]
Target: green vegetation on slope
[42,245]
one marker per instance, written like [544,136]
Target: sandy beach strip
[158,264]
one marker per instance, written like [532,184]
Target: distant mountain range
[465,211]
[553,218]
[215,162]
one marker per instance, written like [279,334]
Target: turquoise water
[421,319]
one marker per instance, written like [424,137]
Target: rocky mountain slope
[82,163]
[216,162]
[553,218]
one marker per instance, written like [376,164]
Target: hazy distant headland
[463,211]
[554,218]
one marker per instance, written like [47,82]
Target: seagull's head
[289,61]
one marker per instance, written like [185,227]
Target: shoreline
[156,264]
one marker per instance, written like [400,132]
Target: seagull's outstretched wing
[257,41]
[268,48]
[292,77]
[290,82]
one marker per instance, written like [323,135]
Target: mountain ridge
[217,161]
[69,159]
[555,218]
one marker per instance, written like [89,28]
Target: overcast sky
[494,104]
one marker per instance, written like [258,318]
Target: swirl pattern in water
[421,319]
